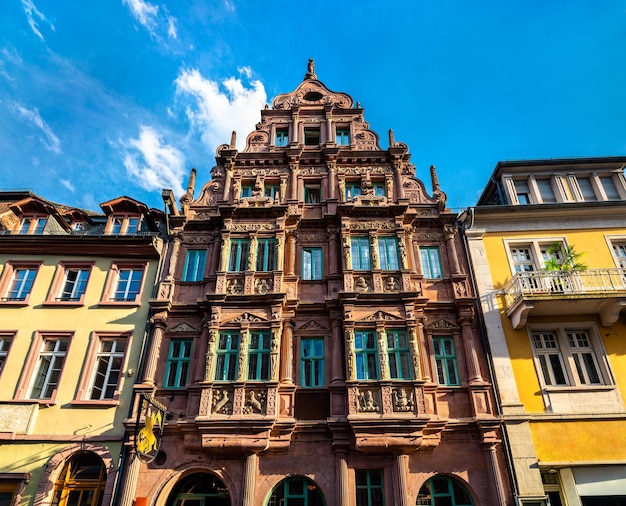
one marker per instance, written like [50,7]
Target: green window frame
[342,136]
[379,188]
[388,253]
[360,253]
[281,139]
[312,362]
[353,189]
[296,491]
[178,361]
[399,355]
[259,356]
[311,264]
[246,190]
[446,361]
[271,190]
[227,356]
[443,491]
[365,351]
[431,262]
[370,487]
[193,269]
[239,254]
[266,255]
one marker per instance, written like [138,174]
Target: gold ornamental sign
[148,438]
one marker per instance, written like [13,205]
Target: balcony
[544,293]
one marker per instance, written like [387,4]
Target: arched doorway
[443,491]
[81,482]
[296,491]
[199,489]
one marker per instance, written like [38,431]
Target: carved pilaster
[337,352]
[286,366]
[374,251]
[252,254]
[449,232]
[158,326]
[224,253]
[345,244]
[421,339]
[382,352]
[402,251]
[415,353]
[243,354]
[466,316]
[249,477]
[210,355]
[350,354]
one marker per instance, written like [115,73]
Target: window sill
[578,388]
[15,303]
[119,304]
[109,403]
[63,303]
[41,402]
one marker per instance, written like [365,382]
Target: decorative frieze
[369,400]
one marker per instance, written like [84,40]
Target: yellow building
[547,241]
[74,293]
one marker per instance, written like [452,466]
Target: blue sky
[123,97]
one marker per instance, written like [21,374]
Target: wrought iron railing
[540,284]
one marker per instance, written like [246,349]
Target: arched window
[443,491]
[81,483]
[200,489]
[296,491]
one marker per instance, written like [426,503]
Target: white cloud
[152,18]
[245,71]
[217,111]
[171,27]
[50,141]
[68,185]
[155,165]
[31,12]
[144,12]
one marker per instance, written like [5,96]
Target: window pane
[609,188]
[545,190]
[586,188]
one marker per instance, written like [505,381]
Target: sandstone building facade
[314,338]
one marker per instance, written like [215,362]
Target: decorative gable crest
[312,325]
[247,318]
[381,315]
[183,327]
[442,323]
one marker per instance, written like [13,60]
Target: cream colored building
[547,241]
[73,309]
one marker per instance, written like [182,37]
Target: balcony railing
[553,284]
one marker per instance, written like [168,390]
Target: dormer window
[123,225]
[342,136]
[32,225]
[78,226]
[282,137]
[311,136]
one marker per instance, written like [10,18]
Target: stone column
[332,252]
[497,485]
[399,471]
[471,356]
[415,353]
[129,484]
[154,348]
[422,350]
[374,251]
[199,372]
[381,336]
[293,182]
[417,267]
[286,364]
[280,252]
[332,180]
[224,253]
[213,336]
[350,354]
[275,352]
[449,232]
[215,254]
[342,494]
[337,352]
[252,254]
[176,240]
[291,251]
[404,264]
[243,354]
[227,178]
[249,479]
[397,169]
[347,261]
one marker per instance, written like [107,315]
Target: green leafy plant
[564,258]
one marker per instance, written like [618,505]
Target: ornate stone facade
[332,334]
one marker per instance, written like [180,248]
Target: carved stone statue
[367,402]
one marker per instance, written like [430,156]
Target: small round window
[313,96]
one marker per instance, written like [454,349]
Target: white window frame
[112,355]
[612,241]
[568,353]
[537,246]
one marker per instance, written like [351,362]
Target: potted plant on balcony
[566,262]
